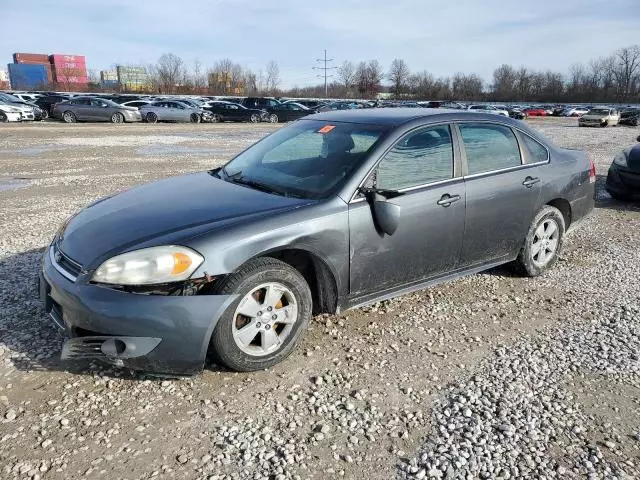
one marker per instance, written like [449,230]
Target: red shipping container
[30,58]
[58,58]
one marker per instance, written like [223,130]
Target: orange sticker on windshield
[326,129]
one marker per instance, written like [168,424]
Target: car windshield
[598,111]
[307,159]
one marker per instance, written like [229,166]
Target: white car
[136,103]
[574,112]
[600,117]
[488,109]
[9,113]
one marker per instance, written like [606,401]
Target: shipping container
[69,73]
[30,58]
[109,76]
[58,58]
[26,76]
[132,75]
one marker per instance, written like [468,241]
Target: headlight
[621,160]
[149,266]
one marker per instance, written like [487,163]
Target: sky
[438,36]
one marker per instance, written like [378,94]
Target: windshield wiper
[257,185]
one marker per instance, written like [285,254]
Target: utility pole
[324,61]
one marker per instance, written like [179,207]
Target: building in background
[224,84]
[133,79]
[109,79]
[28,76]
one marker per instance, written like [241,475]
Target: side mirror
[386,215]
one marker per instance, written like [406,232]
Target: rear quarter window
[536,151]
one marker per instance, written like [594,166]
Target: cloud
[442,38]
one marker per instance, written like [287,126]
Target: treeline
[615,78]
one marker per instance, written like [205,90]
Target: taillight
[592,171]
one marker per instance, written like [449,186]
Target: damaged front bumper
[154,333]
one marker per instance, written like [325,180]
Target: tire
[69,117]
[636,122]
[255,118]
[117,118]
[216,118]
[3,118]
[45,114]
[151,117]
[195,118]
[273,118]
[245,353]
[604,124]
[529,262]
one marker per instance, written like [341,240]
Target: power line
[325,60]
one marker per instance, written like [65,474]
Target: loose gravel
[493,376]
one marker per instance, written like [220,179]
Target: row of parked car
[135,108]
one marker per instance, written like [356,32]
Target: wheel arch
[319,275]
[565,208]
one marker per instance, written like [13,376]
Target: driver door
[422,167]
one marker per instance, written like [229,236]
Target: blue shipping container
[25,76]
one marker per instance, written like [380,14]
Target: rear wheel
[151,117]
[69,117]
[117,118]
[273,118]
[264,324]
[543,242]
[195,118]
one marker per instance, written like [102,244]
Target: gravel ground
[492,376]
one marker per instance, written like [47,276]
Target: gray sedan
[331,212]
[92,109]
[172,111]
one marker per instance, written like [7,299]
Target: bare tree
[467,87]
[199,80]
[504,82]
[399,75]
[346,74]
[626,70]
[273,77]
[170,72]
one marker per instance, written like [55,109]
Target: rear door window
[536,151]
[489,147]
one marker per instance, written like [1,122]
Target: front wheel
[273,118]
[195,118]
[117,118]
[69,117]
[264,324]
[543,242]
[255,118]
[45,114]
[3,118]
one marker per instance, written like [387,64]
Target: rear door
[502,191]
[427,243]
[81,108]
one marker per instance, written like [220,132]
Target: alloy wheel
[545,242]
[264,319]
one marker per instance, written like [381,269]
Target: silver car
[94,110]
[172,111]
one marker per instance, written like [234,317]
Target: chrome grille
[64,264]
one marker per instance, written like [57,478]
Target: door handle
[447,200]
[530,181]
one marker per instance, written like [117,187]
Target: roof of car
[398,116]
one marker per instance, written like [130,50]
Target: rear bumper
[161,334]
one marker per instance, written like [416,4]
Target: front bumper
[13,116]
[622,182]
[161,334]
[133,117]
[25,116]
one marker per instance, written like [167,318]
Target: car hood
[177,208]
